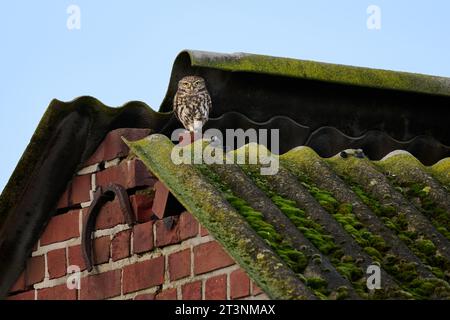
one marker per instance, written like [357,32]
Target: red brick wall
[161,257]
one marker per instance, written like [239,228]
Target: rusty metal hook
[101,197]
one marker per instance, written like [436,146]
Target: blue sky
[125,49]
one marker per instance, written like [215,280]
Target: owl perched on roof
[192,102]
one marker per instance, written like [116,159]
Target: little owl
[192,102]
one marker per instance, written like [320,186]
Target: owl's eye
[197,83]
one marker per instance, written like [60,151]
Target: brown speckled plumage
[192,102]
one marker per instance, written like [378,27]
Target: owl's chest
[191,100]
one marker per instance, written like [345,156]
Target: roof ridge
[322,71]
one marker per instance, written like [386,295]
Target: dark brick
[180,264]
[62,227]
[192,291]
[79,190]
[167,231]
[101,249]
[216,288]
[113,146]
[143,275]
[129,174]
[76,257]
[35,271]
[188,226]
[160,200]
[145,296]
[239,284]
[142,207]
[56,263]
[120,245]
[169,294]
[101,286]
[143,237]
[60,292]
[110,215]
[210,256]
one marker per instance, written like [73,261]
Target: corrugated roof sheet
[377,110]
[313,70]
[312,229]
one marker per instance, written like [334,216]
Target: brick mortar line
[166,270]
[111,231]
[112,163]
[93,186]
[77,240]
[42,250]
[80,222]
[261,296]
[177,284]
[114,265]
[121,282]
[57,245]
[228,284]
[94,168]
[185,244]
[89,169]
[192,261]
[179,293]
[120,264]
[133,295]
[203,276]
[132,242]
[86,204]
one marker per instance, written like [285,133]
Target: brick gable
[167,254]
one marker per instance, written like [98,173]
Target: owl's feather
[192,102]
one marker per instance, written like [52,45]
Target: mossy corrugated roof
[328,72]
[312,229]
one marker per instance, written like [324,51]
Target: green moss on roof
[375,78]
[305,163]
[236,224]
[314,232]
[441,171]
[215,213]
[295,259]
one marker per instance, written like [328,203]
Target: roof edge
[321,71]
[49,158]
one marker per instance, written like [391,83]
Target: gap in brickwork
[101,166]
[140,190]
[61,211]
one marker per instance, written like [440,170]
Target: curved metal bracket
[101,197]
